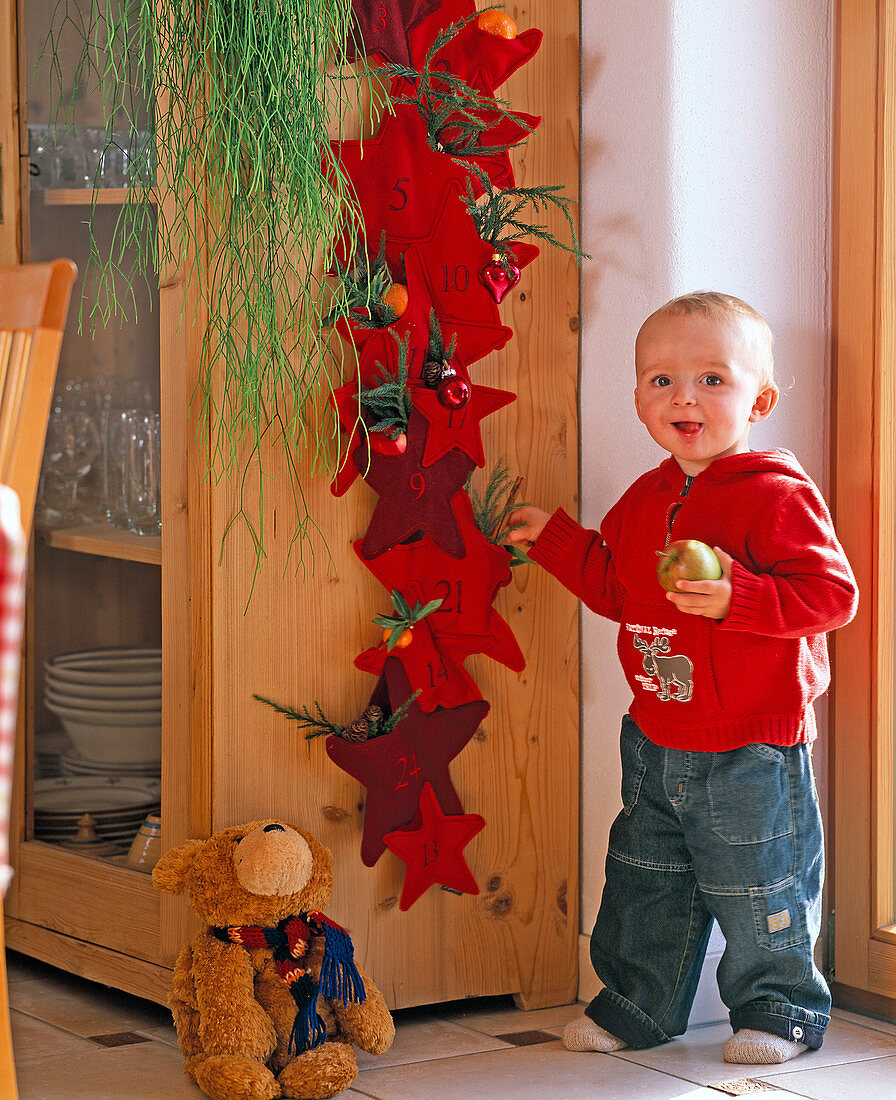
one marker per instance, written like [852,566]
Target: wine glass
[73,442]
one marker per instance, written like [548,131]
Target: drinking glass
[73,442]
[144,472]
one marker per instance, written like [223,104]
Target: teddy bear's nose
[273,829]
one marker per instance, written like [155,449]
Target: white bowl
[132,744]
[90,705]
[113,735]
[119,655]
[152,690]
[139,674]
[117,716]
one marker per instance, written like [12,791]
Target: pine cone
[356,731]
[432,373]
[374,716]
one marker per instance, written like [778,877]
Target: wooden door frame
[864,458]
[10,136]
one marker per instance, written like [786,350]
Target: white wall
[705,163]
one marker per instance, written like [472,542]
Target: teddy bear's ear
[172,872]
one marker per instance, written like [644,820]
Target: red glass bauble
[454,392]
[500,274]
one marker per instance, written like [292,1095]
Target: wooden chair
[34,302]
[33,306]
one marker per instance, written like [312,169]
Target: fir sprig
[457,116]
[363,285]
[492,508]
[321,726]
[389,403]
[498,218]
[437,352]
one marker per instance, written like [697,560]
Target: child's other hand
[711,599]
[525,525]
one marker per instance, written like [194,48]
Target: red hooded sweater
[701,684]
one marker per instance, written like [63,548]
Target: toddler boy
[720,816]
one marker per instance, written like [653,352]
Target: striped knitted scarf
[339,977]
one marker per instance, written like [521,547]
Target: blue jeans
[730,835]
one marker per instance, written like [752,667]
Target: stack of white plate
[109,702]
[117,806]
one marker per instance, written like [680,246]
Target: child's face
[699,389]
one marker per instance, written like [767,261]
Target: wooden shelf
[107,542]
[85,196]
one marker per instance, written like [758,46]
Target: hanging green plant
[248,196]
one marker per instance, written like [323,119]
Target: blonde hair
[725,307]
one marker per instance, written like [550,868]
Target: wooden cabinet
[290,631]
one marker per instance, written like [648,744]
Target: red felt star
[397,177]
[452,254]
[476,57]
[451,429]
[465,622]
[413,499]
[382,26]
[504,130]
[432,849]
[441,680]
[394,767]
[479,331]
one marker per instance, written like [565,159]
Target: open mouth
[687,427]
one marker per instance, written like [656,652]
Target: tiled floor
[75,1040]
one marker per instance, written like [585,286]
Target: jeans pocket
[749,795]
[634,767]
[776,915]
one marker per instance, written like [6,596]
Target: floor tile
[35,1041]
[547,1072]
[871,1079]
[697,1055]
[425,1037]
[499,1015]
[122,1073]
[83,1007]
[888,1026]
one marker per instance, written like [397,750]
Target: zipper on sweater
[674,508]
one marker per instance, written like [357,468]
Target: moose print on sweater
[671,669]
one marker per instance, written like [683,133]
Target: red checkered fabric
[13,549]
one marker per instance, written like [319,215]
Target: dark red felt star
[381,27]
[451,429]
[412,498]
[394,768]
[432,849]
[441,680]
[465,622]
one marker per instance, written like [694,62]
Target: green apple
[686,560]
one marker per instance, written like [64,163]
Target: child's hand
[711,599]
[525,524]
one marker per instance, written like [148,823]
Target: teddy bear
[267,999]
